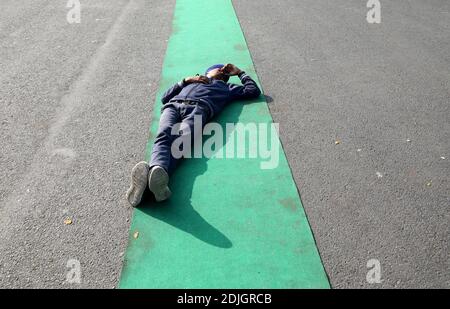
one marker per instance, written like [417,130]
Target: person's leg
[162,160]
[139,176]
[188,115]
[193,119]
[161,151]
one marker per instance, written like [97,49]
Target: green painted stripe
[229,223]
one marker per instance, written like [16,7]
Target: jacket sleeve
[172,91]
[248,90]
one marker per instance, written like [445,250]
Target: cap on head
[216,66]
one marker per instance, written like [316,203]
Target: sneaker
[158,181]
[139,178]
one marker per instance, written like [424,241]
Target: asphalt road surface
[76,102]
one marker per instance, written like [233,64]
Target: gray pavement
[76,102]
[333,76]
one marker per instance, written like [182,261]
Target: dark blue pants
[174,113]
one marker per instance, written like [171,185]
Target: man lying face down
[196,97]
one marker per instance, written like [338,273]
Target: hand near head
[230,70]
[196,79]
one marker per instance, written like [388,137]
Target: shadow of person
[178,210]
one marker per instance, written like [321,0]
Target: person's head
[216,73]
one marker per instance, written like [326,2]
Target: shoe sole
[158,183]
[139,178]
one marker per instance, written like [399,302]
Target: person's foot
[139,178]
[158,181]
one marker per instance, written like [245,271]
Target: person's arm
[248,90]
[173,91]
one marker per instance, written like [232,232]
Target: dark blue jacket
[215,95]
